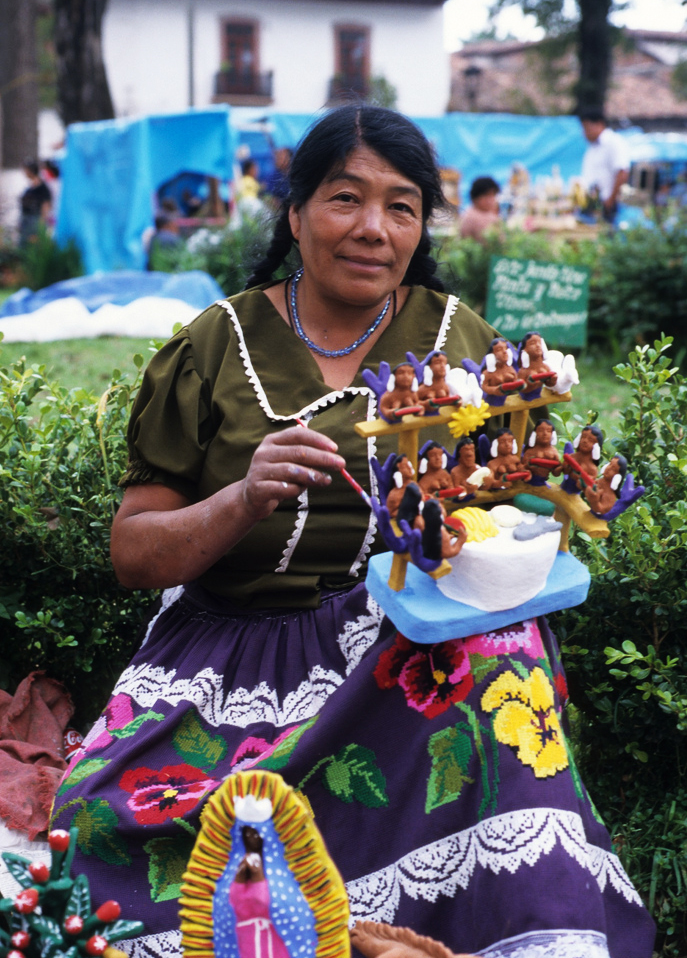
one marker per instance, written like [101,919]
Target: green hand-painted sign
[526,295]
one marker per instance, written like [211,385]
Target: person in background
[483,211]
[606,164]
[35,204]
[277,183]
[248,190]
[165,237]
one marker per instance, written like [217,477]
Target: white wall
[146,51]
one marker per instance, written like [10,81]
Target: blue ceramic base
[424,614]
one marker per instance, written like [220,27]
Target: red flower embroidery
[433,677]
[170,792]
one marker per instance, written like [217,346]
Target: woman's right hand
[284,465]
[161,539]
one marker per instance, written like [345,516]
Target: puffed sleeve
[170,425]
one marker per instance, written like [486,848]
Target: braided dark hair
[327,145]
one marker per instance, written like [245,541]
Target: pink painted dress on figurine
[257,936]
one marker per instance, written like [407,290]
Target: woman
[268,648]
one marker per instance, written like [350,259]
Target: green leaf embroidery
[167,864]
[82,770]
[96,822]
[451,751]
[282,753]
[354,774]
[196,746]
[132,727]
[80,898]
[481,666]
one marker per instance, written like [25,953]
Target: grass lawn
[89,363]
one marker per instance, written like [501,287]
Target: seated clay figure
[437,387]
[586,455]
[542,446]
[466,472]
[402,395]
[603,495]
[437,541]
[403,474]
[533,366]
[432,469]
[499,369]
[506,460]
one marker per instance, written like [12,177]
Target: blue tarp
[112,169]
[122,287]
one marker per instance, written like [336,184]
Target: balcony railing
[348,88]
[231,83]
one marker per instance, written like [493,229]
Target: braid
[422,267]
[278,250]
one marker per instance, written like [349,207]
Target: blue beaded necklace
[329,353]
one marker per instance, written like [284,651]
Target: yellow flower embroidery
[526,720]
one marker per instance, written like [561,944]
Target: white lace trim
[554,943]
[254,380]
[147,684]
[506,841]
[359,634]
[451,307]
[372,523]
[169,597]
[299,525]
[166,944]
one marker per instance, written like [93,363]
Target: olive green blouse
[237,373]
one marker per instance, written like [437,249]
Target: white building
[291,56]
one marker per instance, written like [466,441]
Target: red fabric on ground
[32,723]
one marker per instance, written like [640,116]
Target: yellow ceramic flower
[467,419]
[526,720]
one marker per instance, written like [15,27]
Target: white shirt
[602,161]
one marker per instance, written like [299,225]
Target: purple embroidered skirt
[438,775]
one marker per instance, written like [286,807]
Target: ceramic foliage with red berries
[51,917]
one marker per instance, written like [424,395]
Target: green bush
[43,261]
[61,609]
[625,648]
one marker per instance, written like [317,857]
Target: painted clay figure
[499,373]
[541,456]
[466,472]
[410,508]
[437,388]
[533,367]
[505,461]
[582,465]
[249,898]
[432,469]
[403,474]
[603,495]
[402,396]
[437,541]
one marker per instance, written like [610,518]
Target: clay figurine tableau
[466,473]
[505,465]
[401,399]
[377,940]
[541,456]
[403,474]
[582,458]
[432,469]
[259,881]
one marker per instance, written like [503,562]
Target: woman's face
[358,231]
[251,839]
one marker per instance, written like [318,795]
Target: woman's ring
[285,485]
